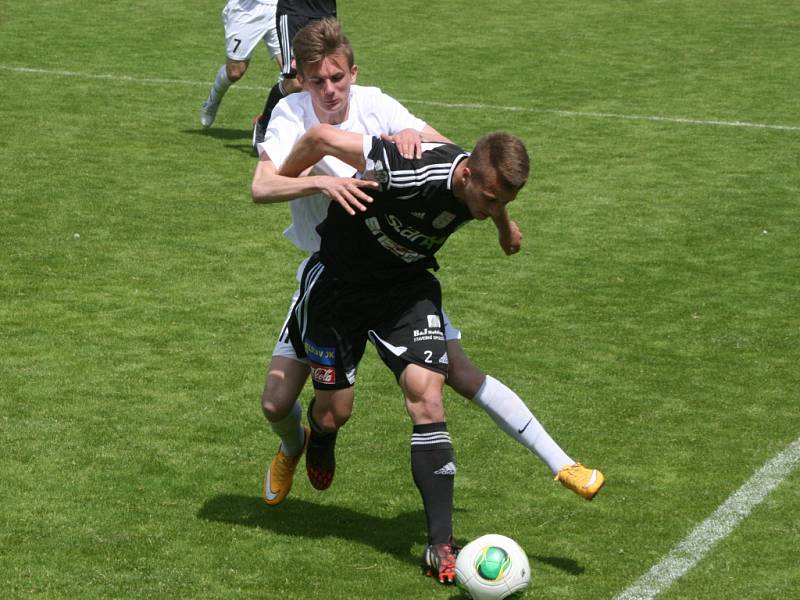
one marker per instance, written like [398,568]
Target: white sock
[512,416]
[221,85]
[290,430]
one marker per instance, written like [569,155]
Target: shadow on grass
[562,564]
[220,133]
[395,536]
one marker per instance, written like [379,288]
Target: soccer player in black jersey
[372,281]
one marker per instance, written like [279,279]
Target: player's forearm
[429,134]
[271,187]
[509,234]
[502,221]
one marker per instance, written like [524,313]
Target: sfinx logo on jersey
[412,234]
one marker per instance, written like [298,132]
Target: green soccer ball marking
[492,563]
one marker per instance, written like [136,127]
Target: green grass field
[652,320]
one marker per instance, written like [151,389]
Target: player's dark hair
[318,40]
[505,155]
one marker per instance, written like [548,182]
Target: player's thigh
[246,23]
[422,389]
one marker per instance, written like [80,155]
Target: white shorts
[284,348]
[247,22]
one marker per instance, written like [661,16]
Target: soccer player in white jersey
[247,22]
[327,72]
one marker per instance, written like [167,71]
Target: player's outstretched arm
[320,141]
[269,186]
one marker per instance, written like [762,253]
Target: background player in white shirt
[247,22]
[328,73]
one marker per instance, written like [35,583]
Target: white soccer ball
[493,567]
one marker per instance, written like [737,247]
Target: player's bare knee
[275,406]
[428,409]
[331,419]
[277,400]
[236,70]
[340,418]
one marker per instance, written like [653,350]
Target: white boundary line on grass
[605,115]
[719,525]
[450,105]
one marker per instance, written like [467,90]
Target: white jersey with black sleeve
[371,113]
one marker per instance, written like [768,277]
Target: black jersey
[307,8]
[411,217]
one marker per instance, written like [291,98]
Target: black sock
[433,467]
[275,95]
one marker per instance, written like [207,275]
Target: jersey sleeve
[381,158]
[402,177]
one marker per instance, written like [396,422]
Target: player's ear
[354,73]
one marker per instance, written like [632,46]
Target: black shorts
[333,319]
[288,25]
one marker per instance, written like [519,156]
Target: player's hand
[408,142]
[511,240]
[348,192]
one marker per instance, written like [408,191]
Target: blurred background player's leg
[246,23]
